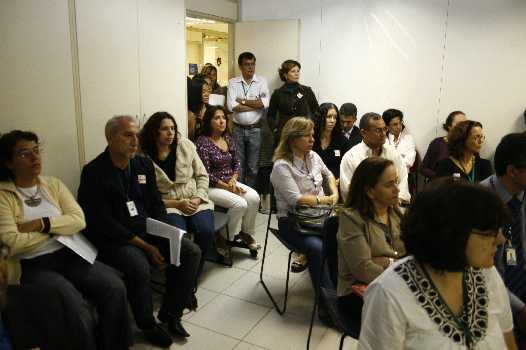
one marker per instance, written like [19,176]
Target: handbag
[307,220]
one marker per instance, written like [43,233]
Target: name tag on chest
[132,209]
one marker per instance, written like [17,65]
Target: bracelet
[318,200]
[391,261]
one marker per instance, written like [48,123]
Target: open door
[272,42]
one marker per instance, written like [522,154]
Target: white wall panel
[36,81]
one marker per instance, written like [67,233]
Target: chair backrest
[330,247]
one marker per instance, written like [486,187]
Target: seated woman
[291,99]
[464,143]
[297,176]
[447,294]
[369,232]
[181,178]
[199,89]
[437,149]
[38,218]
[330,143]
[217,150]
[399,137]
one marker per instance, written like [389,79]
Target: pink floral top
[219,164]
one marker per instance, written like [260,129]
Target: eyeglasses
[27,153]
[487,233]
[378,131]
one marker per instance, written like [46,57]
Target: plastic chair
[347,325]
[275,231]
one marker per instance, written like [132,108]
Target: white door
[108,65]
[272,42]
[162,59]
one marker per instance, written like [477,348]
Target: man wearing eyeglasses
[509,183]
[373,130]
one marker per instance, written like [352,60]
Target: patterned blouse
[219,164]
[404,310]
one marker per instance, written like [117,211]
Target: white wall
[220,8]
[424,57]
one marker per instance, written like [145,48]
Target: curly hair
[449,120]
[365,177]
[322,121]
[195,92]
[150,133]
[7,144]
[457,137]
[435,230]
[207,119]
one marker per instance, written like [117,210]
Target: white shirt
[293,180]
[394,318]
[405,145]
[238,88]
[44,209]
[353,157]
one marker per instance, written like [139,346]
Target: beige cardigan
[191,178]
[12,213]
[359,240]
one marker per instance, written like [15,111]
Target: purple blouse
[219,164]
[436,151]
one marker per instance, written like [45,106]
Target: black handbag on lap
[307,220]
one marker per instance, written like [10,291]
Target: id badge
[511,257]
[142,179]
[132,209]
[336,152]
[299,95]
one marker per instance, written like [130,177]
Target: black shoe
[174,325]
[192,303]
[158,336]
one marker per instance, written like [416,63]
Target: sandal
[251,243]
[299,264]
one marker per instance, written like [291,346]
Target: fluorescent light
[199,20]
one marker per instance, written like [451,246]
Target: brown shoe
[251,243]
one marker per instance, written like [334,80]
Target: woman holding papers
[36,213]
[181,178]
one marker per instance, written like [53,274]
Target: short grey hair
[365,120]
[113,125]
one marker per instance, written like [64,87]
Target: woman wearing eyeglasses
[297,177]
[369,232]
[40,222]
[464,143]
[446,294]
[291,99]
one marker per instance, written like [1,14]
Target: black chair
[275,232]
[344,323]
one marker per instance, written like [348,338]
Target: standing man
[247,97]
[348,113]
[373,130]
[509,183]
[118,192]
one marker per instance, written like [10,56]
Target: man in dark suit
[118,192]
[348,113]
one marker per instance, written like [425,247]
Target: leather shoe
[176,328]
[158,336]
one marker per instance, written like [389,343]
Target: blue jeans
[311,246]
[248,143]
[201,225]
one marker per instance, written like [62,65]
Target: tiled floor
[235,312]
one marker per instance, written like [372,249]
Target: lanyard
[245,92]
[508,238]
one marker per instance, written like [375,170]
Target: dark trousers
[134,264]
[73,278]
[201,224]
[351,305]
[35,316]
[311,246]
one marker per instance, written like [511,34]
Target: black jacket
[103,193]
[291,100]
[356,137]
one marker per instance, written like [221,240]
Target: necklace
[31,200]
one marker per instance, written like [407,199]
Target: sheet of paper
[216,100]
[80,245]
[172,233]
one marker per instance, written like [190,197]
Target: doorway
[207,42]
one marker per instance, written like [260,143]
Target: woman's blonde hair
[294,128]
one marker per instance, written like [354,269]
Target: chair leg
[341,341]
[230,258]
[312,321]
[280,310]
